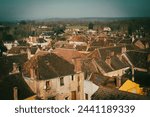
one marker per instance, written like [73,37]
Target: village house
[139,69]
[137,59]
[109,61]
[72,56]
[12,84]
[76,58]
[30,51]
[52,77]
[78,40]
[13,87]
[36,41]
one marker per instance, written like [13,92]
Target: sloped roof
[18,50]
[11,81]
[138,58]
[116,63]
[67,54]
[22,49]
[48,65]
[78,38]
[88,66]
[103,65]
[105,51]
[104,93]
[6,62]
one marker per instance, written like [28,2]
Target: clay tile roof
[78,38]
[67,54]
[48,65]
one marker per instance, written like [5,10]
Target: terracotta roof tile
[48,65]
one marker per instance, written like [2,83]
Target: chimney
[15,68]
[118,81]
[123,49]
[78,64]
[132,68]
[112,53]
[108,60]
[15,93]
[32,73]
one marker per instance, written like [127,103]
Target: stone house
[52,77]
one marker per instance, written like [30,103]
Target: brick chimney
[15,68]
[15,93]
[78,64]
[118,81]
[32,73]
[132,69]
[123,49]
[112,53]
[108,60]
[29,53]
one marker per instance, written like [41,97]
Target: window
[72,77]
[61,81]
[78,79]
[66,98]
[78,88]
[52,98]
[47,85]
[86,96]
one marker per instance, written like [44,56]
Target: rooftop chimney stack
[123,49]
[15,68]
[108,60]
[132,73]
[118,81]
[15,92]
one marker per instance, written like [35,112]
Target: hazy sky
[40,9]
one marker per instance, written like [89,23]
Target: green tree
[90,25]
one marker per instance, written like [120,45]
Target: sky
[42,9]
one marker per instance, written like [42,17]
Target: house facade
[51,77]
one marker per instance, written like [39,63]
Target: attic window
[62,81]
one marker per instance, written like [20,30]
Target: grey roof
[8,83]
